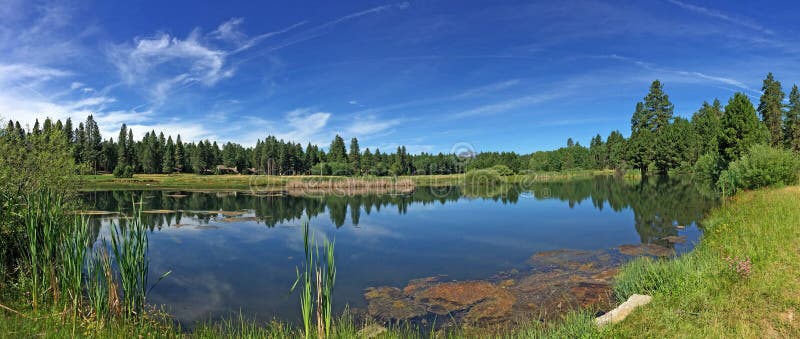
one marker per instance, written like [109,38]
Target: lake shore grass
[740,281]
[246,182]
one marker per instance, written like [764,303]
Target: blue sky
[497,75]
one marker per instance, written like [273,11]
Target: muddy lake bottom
[439,256]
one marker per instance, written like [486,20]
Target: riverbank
[246,182]
[740,281]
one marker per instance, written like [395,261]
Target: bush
[707,167]
[123,172]
[503,170]
[761,166]
[482,177]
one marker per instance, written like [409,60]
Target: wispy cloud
[692,76]
[365,126]
[183,60]
[322,29]
[508,105]
[743,22]
[488,89]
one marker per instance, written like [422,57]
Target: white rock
[618,314]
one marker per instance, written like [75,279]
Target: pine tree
[168,160]
[658,107]
[337,152]
[598,153]
[123,152]
[355,156]
[615,148]
[708,127]
[130,151]
[93,143]
[68,131]
[740,128]
[367,161]
[79,144]
[770,108]
[310,157]
[649,119]
[793,120]
[180,155]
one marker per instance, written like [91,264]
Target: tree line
[659,142]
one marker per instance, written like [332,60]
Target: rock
[680,227]
[618,314]
[390,303]
[453,296]
[493,309]
[481,300]
[675,239]
[417,285]
[555,292]
[606,275]
[507,283]
[572,260]
[371,331]
[646,249]
[588,294]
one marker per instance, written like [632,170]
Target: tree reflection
[658,203]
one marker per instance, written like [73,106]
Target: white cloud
[14,74]
[229,31]
[189,59]
[364,126]
[306,125]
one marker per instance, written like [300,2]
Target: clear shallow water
[226,264]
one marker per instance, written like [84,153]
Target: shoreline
[237,182]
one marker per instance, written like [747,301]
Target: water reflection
[236,251]
[658,203]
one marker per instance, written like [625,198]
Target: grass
[245,182]
[708,293]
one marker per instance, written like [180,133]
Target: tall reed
[130,246]
[43,216]
[317,279]
[306,294]
[73,248]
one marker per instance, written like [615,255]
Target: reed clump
[63,268]
[315,282]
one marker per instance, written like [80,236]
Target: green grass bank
[244,182]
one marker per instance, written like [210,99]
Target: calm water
[226,264]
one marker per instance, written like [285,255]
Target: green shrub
[707,167]
[482,177]
[503,170]
[123,172]
[761,166]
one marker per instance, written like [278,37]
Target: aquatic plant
[316,280]
[73,250]
[306,308]
[130,246]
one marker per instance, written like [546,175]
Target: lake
[232,252]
